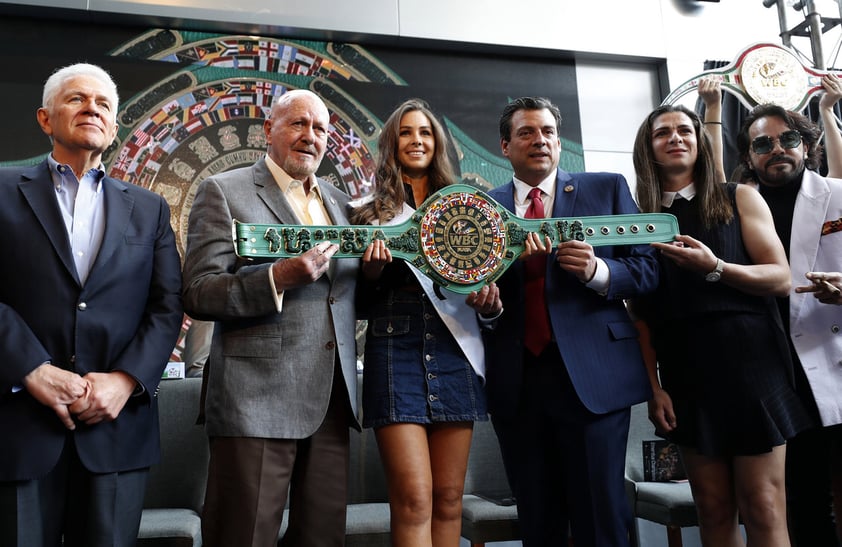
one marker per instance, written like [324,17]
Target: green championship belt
[459,237]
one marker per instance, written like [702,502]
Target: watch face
[716,274]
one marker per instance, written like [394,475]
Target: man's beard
[780,178]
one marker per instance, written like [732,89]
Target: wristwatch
[716,274]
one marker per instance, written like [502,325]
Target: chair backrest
[366,477]
[640,429]
[178,481]
[486,474]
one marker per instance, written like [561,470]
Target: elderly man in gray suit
[281,377]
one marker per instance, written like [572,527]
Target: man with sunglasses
[779,150]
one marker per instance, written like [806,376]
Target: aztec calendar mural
[209,117]
[206,114]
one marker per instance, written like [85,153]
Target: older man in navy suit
[564,363]
[90,309]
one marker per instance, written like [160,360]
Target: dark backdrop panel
[197,108]
[469,89]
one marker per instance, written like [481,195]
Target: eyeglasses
[764,145]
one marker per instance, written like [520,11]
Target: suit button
[72,359]
[82,306]
[332,300]
[834,329]
[330,345]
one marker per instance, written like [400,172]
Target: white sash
[460,318]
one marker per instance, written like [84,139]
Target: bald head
[295,95]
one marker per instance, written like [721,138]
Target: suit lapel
[37,188]
[565,195]
[334,210]
[563,202]
[507,197]
[338,217]
[809,215]
[270,193]
[118,211]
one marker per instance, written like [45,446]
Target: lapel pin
[568,188]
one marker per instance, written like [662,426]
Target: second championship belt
[762,73]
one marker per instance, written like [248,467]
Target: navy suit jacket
[127,317]
[597,340]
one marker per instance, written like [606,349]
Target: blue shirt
[83,211]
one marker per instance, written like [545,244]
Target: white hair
[55,82]
[293,94]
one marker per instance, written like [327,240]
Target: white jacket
[816,328]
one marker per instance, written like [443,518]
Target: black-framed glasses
[764,145]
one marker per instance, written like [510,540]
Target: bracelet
[716,123]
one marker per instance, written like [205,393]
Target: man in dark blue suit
[90,309]
[564,362]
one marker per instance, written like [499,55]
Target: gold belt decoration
[460,237]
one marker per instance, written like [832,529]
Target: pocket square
[832,226]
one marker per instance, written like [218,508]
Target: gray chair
[666,503]
[176,487]
[489,512]
[368,517]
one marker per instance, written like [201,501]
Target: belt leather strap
[460,236]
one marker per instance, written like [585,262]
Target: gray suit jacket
[269,374]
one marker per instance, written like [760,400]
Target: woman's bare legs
[425,469]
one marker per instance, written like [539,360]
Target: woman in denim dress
[424,360]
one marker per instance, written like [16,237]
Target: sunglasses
[764,145]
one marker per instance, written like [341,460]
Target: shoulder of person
[502,189]
[740,189]
[747,198]
[834,184]
[232,180]
[137,192]
[17,172]
[234,176]
[334,192]
[359,202]
[592,176]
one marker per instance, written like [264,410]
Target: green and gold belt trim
[460,236]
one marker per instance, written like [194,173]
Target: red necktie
[538,333]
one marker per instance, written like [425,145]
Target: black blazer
[127,317]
